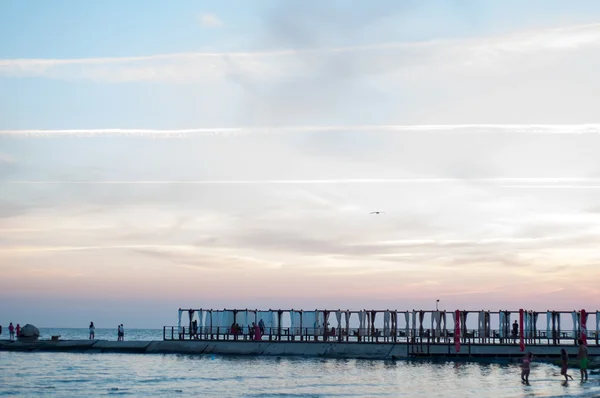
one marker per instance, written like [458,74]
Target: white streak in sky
[210,66]
[235,131]
[337,181]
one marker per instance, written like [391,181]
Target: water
[101,334]
[78,374]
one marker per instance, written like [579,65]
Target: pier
[416,327]
[368,334]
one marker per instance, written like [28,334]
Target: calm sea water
[78,374]
[101,334]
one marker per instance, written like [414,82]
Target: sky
[229,155]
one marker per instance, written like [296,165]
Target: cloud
[6,158]
[210,21]
[362,60]
[536,76]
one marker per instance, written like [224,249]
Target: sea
[46,374]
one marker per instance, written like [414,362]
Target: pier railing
[376,335]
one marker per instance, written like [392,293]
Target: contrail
[528,180]
[265,130]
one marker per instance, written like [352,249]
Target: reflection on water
[78,374]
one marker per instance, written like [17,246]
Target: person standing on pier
[564,361]
[122,329]
[92,331]
[582,356]
[515,331]
[18,330]
[11,332]
[256,330]
[261,325]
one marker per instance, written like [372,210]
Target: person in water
[526,367]
[582,356]
[564,364]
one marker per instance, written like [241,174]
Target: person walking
[92,331]
[11,332]
[582,356]
[564,362]
[526,367]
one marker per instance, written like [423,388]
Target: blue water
[33,374]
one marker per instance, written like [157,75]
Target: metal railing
[373,335]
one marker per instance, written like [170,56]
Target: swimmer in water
[526,367]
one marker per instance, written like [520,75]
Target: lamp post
[436,304]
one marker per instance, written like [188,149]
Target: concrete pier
[302,349]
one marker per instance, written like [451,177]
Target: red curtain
[521,334]
[457,331]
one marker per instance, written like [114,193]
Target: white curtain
[502,317]
[242,319]
[597,322]
[320,322]
[386,324]
[266,318]
[274,320]
[216,320]
[438,327]
[295,321]
[481,323]
[414,323]
[338,317]
[549,324]
[347,316]
[227,319]
[574,315]
[361,322]
[308,321]
[455,320]
[444,328]
[200,320]
[179,322]
[292,323]
[208,321]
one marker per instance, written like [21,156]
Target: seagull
[377,212]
